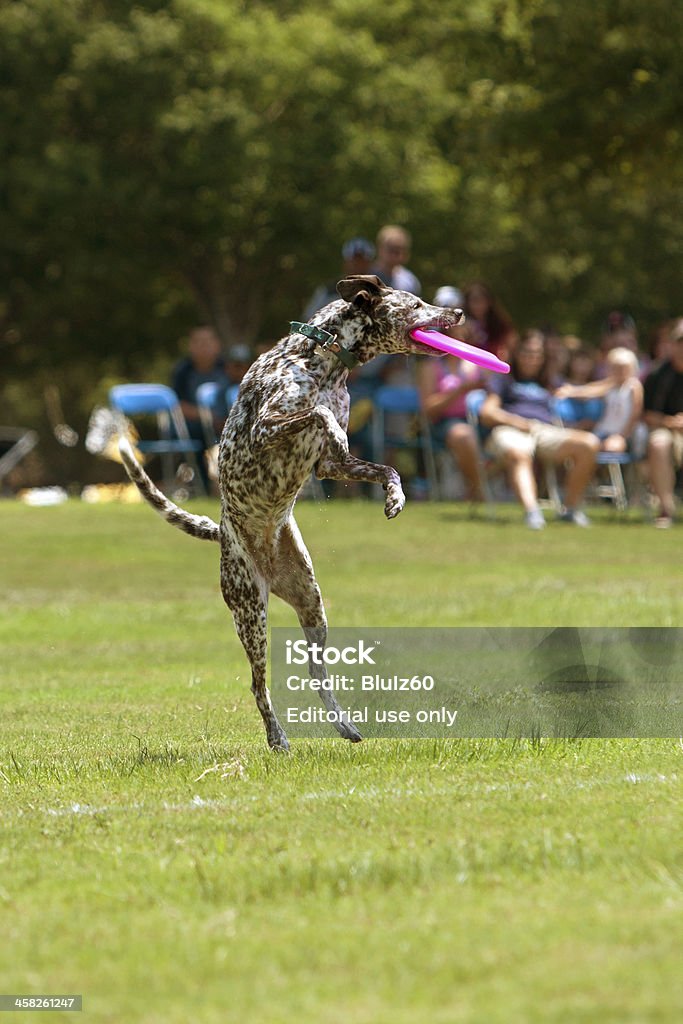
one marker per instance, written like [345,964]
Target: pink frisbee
[443,343]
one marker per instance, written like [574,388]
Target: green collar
[327,341]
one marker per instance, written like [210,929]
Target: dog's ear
[362,289]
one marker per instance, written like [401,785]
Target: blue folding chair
[573,410]
[173,439]
[207,396]
[402,400]
[214,400]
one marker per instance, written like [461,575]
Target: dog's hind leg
[296,584]
[246,594]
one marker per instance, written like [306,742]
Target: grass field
[158,859]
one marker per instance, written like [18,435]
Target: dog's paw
[278,742]
[349,732]
[394,503]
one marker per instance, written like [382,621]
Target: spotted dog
[289,420]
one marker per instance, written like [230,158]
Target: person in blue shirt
[519,412]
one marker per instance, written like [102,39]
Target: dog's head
[379,319]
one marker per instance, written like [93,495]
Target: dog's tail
[196,526]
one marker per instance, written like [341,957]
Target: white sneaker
[534,519]
[575,516]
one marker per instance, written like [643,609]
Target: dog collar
[327,341]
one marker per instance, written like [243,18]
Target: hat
[619,321]
[239,354]
[449,296]
[358,247]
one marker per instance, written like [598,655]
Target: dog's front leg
[351,468]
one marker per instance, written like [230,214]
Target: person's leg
[580,448]
[614,443]
[661,469]
[516,448]
[523,479]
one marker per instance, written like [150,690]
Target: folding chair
[15,444]
[212,398]
[402,400]
[572,410]
[207,397]
[174,439]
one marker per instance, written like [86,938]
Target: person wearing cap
[663,403]
[238,359]
[357,256]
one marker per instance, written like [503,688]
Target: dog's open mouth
[442,324]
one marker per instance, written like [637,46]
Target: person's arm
[434,402]
[661,419]
[594,389]
[492,414]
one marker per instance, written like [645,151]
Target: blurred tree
[574,131]
[165,162]
[194,159]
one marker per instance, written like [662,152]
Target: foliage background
[190,160]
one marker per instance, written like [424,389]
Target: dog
[290,419]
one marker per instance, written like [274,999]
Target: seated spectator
[237,361]
[489,324]
[581,366]
[393,251]
[518,409]
[357,256]
[663,404]
[203,363]
[659,347]
[443,384]
[617,428]
[558,354]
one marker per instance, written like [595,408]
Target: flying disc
[453,347]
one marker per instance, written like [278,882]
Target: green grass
[156,857]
